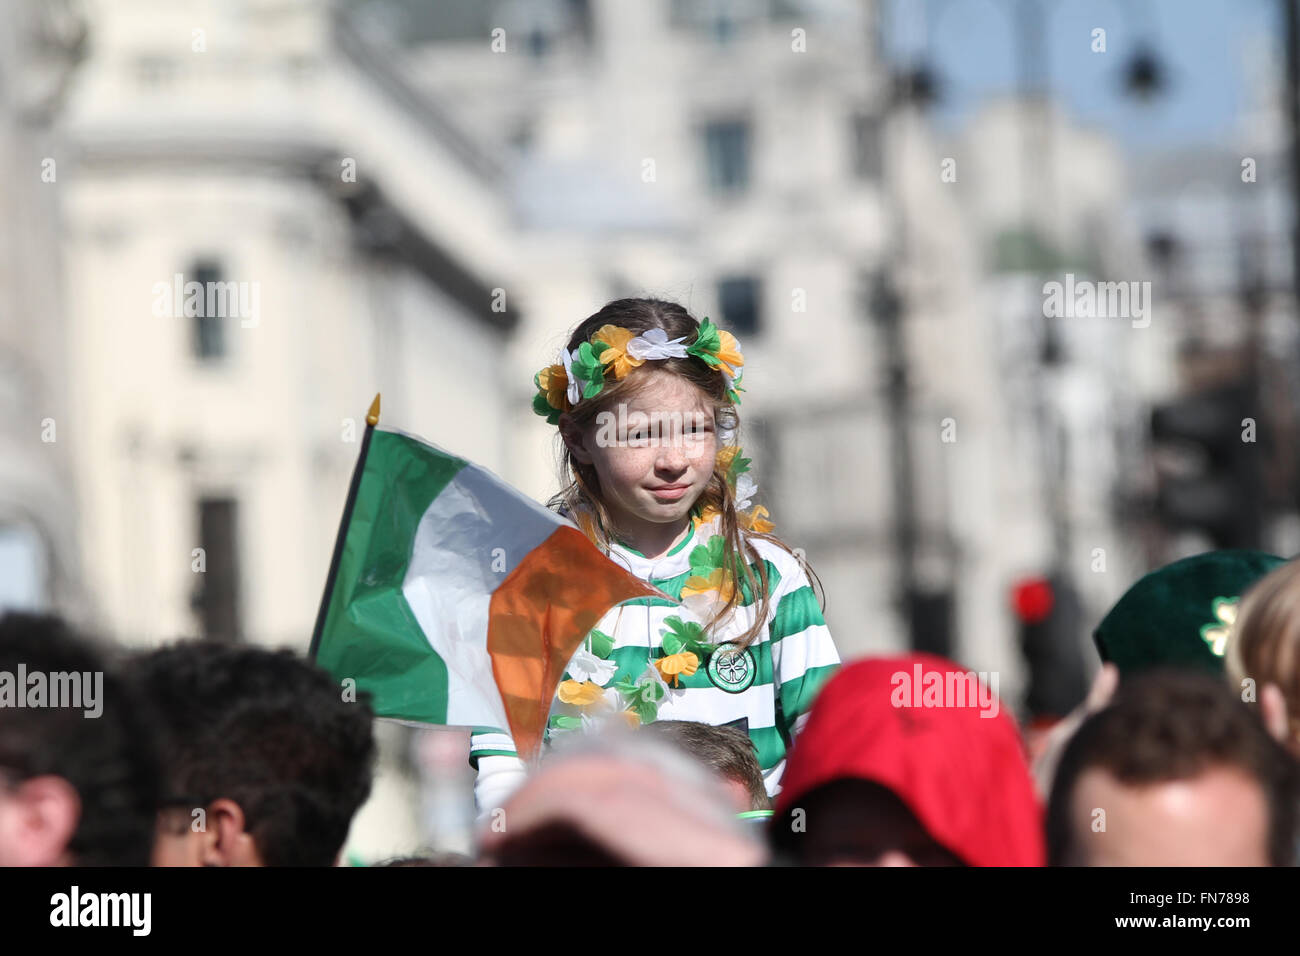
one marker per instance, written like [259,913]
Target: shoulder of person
[786,563]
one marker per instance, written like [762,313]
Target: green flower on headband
[706,343]
[589,369]
[581,373]
[718,349]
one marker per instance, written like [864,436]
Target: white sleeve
[500,770]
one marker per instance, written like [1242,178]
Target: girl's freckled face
[665,436]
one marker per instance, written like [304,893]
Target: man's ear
[572,436]
[48,809]
[1272,709]
[228,843]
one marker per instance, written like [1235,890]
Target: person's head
[619,799]
[908,760]
[727,751]
[1263,655]
[78,778]
[264,760]
[1176,771]
[630,427]
[1179,615]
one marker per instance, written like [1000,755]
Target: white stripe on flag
[451,577]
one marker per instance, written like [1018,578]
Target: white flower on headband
[575,388]
[654,344]
[746,488]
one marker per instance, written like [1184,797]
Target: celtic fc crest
[732,668]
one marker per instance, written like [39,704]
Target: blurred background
[887,203]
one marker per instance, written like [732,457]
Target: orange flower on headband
[728,353]
[617,355]
[554,384]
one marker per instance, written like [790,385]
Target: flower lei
[613,350]
[634,700]
[589,687]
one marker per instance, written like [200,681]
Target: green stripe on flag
[370,634]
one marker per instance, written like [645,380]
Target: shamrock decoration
[686,635]
[1216,633]
[643,694]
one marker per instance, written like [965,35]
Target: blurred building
[759,162]
[39,560]
[725,155]
[263,225]
[1058,401]
[423,199]
[1218,223]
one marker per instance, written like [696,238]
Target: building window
[209,330]
[155,71]
[738,301]
[726,144]
[867,153]
[718,20]
[216,600]
[24,569]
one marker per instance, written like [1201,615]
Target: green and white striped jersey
[765,690]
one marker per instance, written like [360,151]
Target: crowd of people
[724,728]
[1185,753]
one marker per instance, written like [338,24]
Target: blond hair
[1264,641]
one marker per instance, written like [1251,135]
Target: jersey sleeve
[500,770]
[803,654]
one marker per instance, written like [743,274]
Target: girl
[645,399]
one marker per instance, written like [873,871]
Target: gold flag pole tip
[372,416]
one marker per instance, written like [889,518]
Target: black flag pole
[372,419]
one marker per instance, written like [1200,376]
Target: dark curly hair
[1172,725]
[268,730]
[109,759]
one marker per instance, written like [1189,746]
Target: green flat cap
[1179,615]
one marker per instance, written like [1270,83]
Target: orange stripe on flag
[540,614]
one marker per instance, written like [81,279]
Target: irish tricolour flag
[454,599]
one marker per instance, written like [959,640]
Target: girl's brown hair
[1264,643]
[580,493]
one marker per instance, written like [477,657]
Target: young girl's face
[655,454]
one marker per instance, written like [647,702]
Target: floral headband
[582,373]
